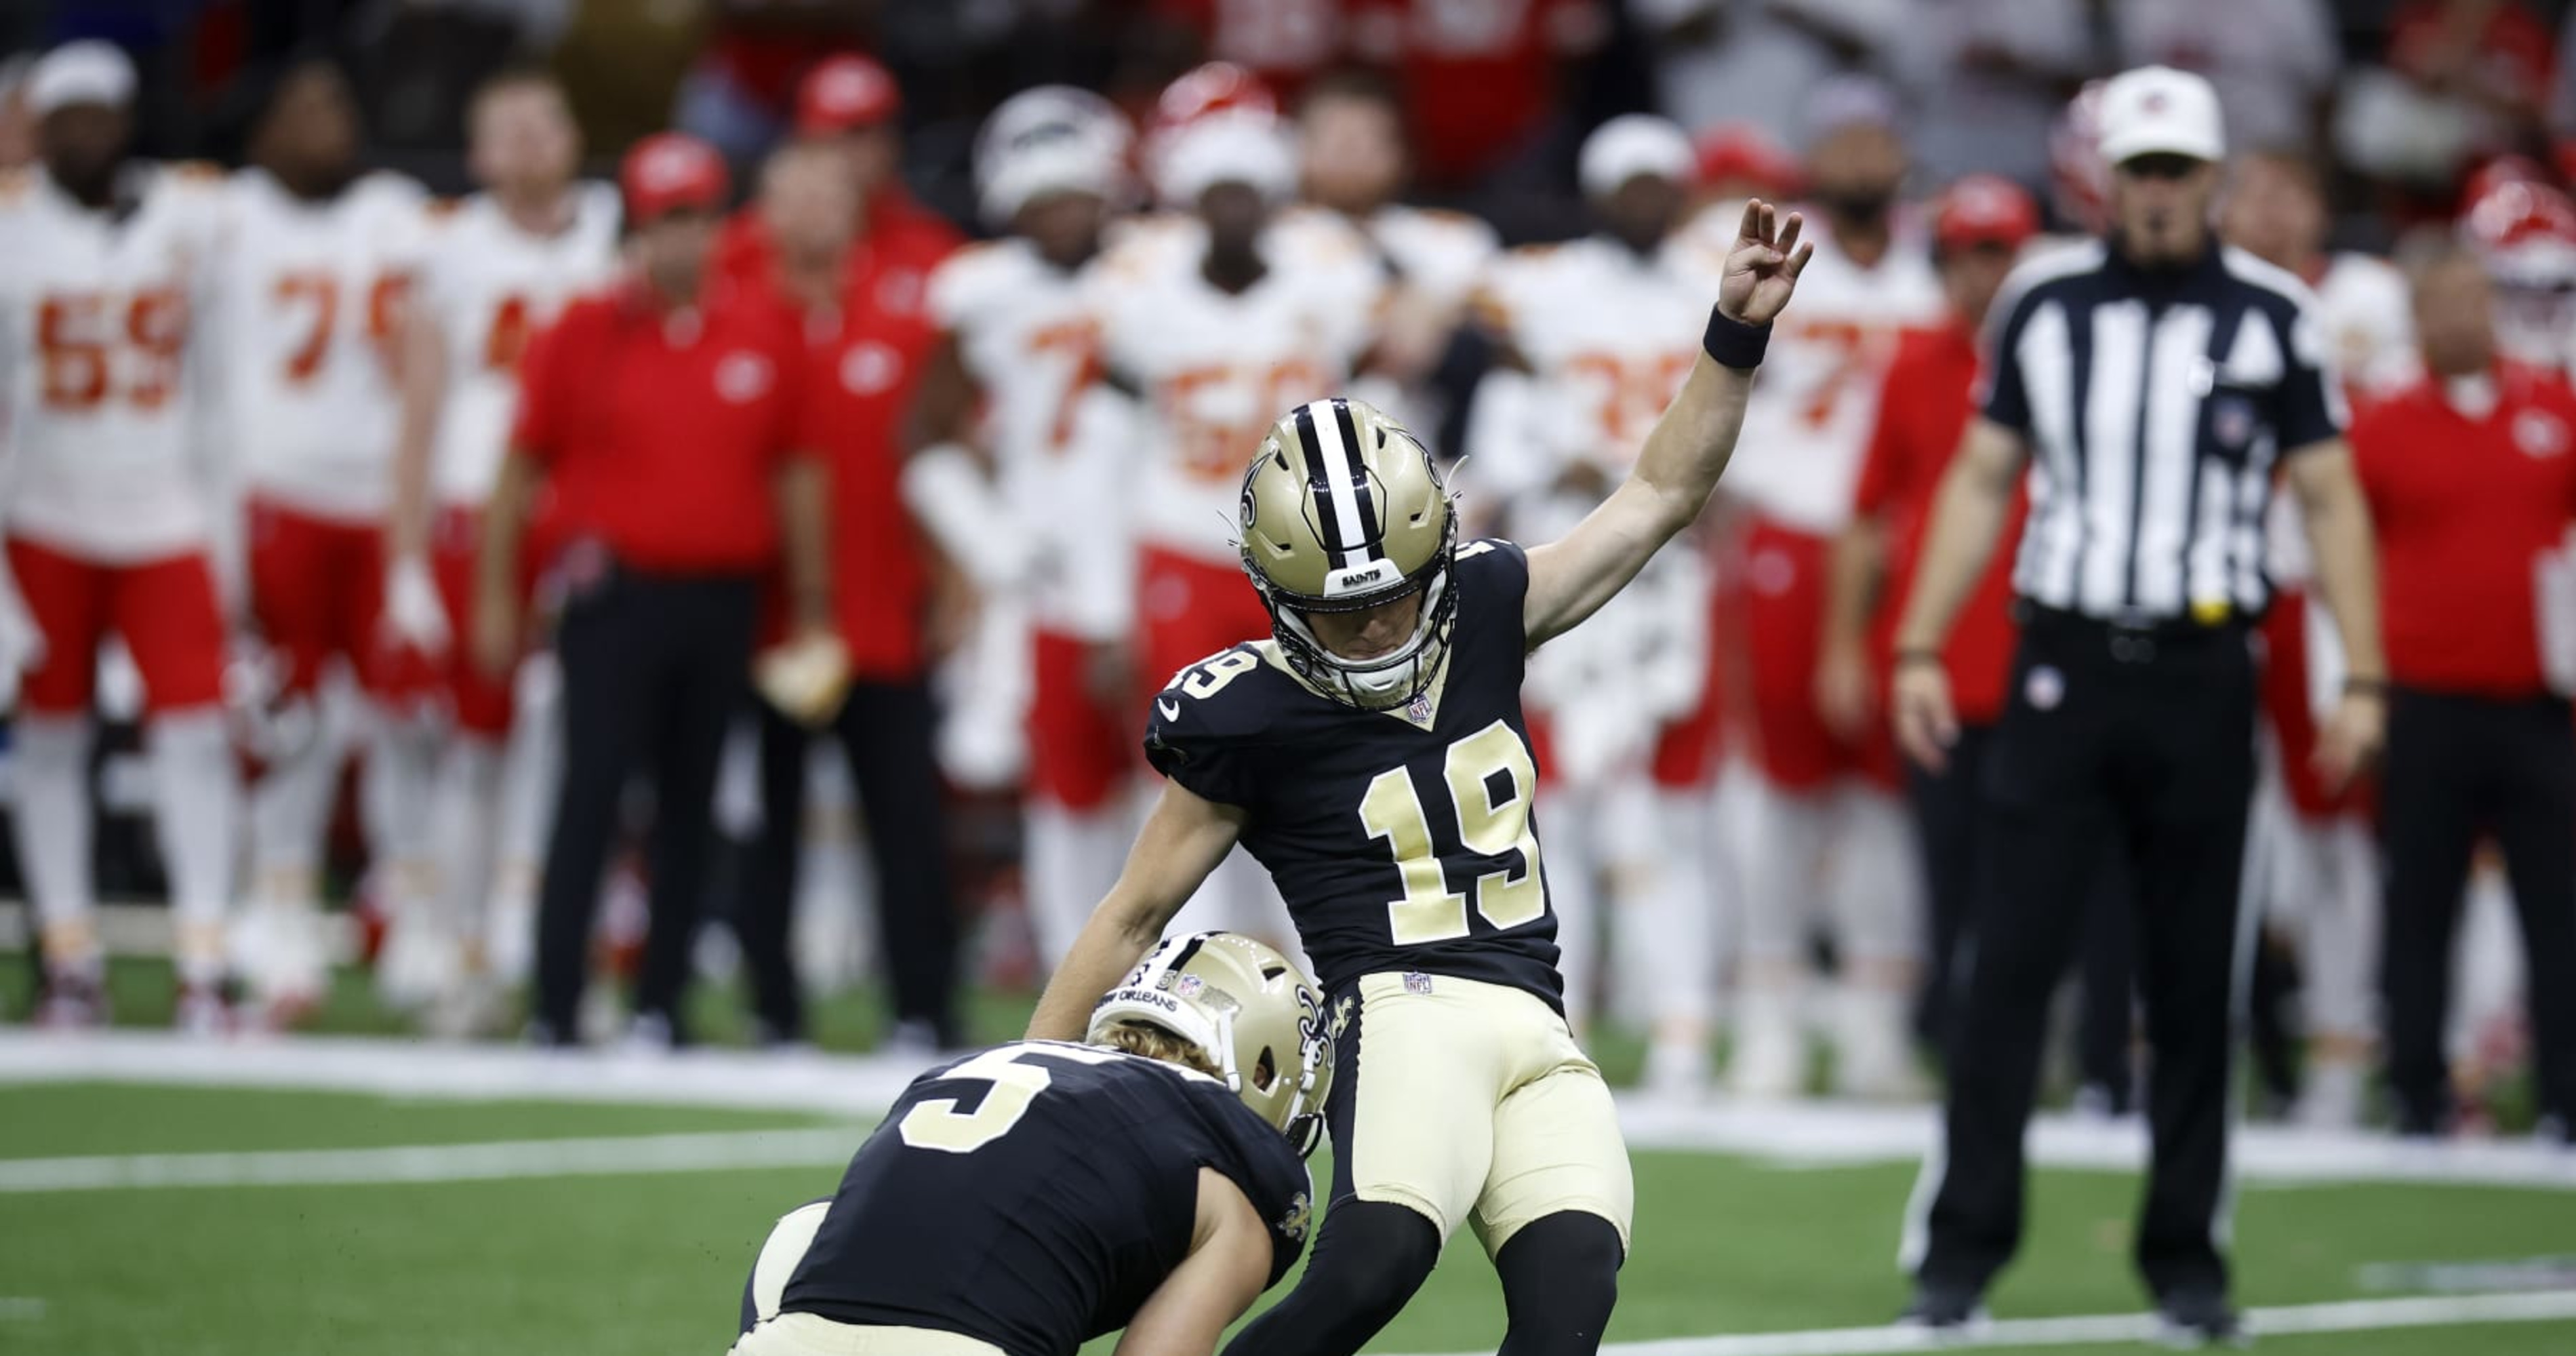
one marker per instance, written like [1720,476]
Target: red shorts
[165,610]
[1686,753]
[1081,749]
[482,704]
[1189,609]
[317,590]
[2294,721]
[1775,586]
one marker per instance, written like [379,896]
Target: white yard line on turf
[2111,1329]
[438,1162]
[1807,1134]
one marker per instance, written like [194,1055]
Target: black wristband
[1732,343]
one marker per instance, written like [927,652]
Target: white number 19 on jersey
[1492,821]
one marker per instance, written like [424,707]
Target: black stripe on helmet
[1319,485]
[1370,535]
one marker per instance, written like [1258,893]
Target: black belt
[2129,640]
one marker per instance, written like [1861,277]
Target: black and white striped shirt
[2155,404]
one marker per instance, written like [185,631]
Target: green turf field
[650,1263]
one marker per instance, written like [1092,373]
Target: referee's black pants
[884,728]
[2113,740]
[653,667]
[1950,824]
[2458,766]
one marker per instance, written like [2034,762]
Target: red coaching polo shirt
[2464,507]
[1922,415]
[661,431]
[898,236]
[863,363]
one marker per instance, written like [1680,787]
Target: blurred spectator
[663,416]
[2473,487]
[2322,879]
[1739,160]
[1354,165]
[1223,315]
[1979,228]
[17,119]
[738,95]
[2273,61]
[109,523]
[1988,76]
[1755,60]
[2079,180]
[1284,42]
[1012,370]
[850,106]
[1596,338]
[1480,81]
[2463,80]
[2524,232]
[866,353]
[1825,842]
[498,268]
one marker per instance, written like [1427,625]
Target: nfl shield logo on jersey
[1418,710]
[1417,982]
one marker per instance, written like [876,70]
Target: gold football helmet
[1258,1020]
[1344,511]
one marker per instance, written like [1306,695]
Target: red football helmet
[2496,173]
[1739,158]
[2525,232]
[1219,91]
[2079,182]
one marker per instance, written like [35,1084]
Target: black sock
[1560,1278]
[1370,1256]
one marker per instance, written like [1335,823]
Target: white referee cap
[1633,144]
[2157,110]
[84,72]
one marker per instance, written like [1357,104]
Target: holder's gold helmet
[1258,1020]
[1343,511]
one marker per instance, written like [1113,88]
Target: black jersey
[1034,1196]
[1402,840]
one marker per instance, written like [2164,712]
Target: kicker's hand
[1763,266]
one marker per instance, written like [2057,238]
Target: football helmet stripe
[1368,529]
[1328,526]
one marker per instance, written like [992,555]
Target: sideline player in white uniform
[2319,857]
[1018,341]
[1605,329]
[1820,834]
[496,269]
[1354,162]
[1216,324]
[102,266]
[307,294]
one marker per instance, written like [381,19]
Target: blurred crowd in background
[1498,218]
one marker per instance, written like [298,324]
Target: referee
[2155,380]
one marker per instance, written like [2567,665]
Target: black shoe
[1952,1309]
[2199,1318]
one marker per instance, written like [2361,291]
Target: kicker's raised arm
[1569,579]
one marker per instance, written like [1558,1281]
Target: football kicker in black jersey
[1338,797]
